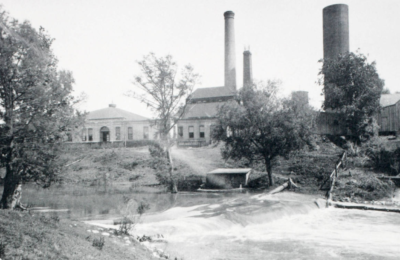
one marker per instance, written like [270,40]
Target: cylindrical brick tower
[336,30]
[247,69]
[230,59]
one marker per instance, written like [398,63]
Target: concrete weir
[230,58]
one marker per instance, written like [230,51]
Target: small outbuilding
[389,116]
[228,178]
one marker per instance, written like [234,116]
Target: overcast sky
[101,40]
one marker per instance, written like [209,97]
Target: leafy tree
[352,88]
[35,108]
[259,126]
[165,95]
[385,91]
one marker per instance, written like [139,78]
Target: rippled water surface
[246,226]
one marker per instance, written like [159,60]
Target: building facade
[114,125]
[389,116]
[196,125]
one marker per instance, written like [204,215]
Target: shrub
[384,160]
[141,209]
[2,250]
[128,223]
[98,243]
[125,226]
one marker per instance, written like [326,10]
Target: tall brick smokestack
[247,69]
[230,59]
[336,30]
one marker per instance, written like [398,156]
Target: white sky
[101,40]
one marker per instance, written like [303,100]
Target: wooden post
[333,177]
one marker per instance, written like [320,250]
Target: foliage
[36,106]
[98,243]
[129,221]
[385,91]
[384,160]
[141,209]
[360,186]
[157,151]
[165,95]
[2,249]
[25,236]
[352,88]
[163,92]
[259,126]
[159,162]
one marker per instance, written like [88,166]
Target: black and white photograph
[199,130]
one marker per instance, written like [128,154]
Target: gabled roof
[389,99]
[202,110]
[212,92]
[113,113]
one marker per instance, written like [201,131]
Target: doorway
[105,134]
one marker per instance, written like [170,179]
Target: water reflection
[206,226]
[87,203]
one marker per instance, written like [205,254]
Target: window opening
[84,134]
[118,133]
[130,133]
[191,132]
[180,132]
[201,130]
[90,134]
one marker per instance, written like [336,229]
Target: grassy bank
[358,182]
[24,236]
[310,169]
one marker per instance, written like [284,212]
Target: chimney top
[247,52]
[229,14]
[112,105]
[336,6]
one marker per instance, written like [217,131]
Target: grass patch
[356,185]
[24,236]
[101,167]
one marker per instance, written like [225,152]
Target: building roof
[389,99]
[112,112]
[230,171]
[202,110]
[212,92]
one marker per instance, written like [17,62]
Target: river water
[202,226]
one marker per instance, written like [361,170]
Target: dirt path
[201,160]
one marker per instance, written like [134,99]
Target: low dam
[205,226]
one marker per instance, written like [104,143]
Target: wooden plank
[364,207]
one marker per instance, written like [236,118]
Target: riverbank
[32,236]
[118,175]
[106,169]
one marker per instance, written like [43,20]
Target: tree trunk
[174,187]
[12,191]
[287,184]
[11,197]
[269,171]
